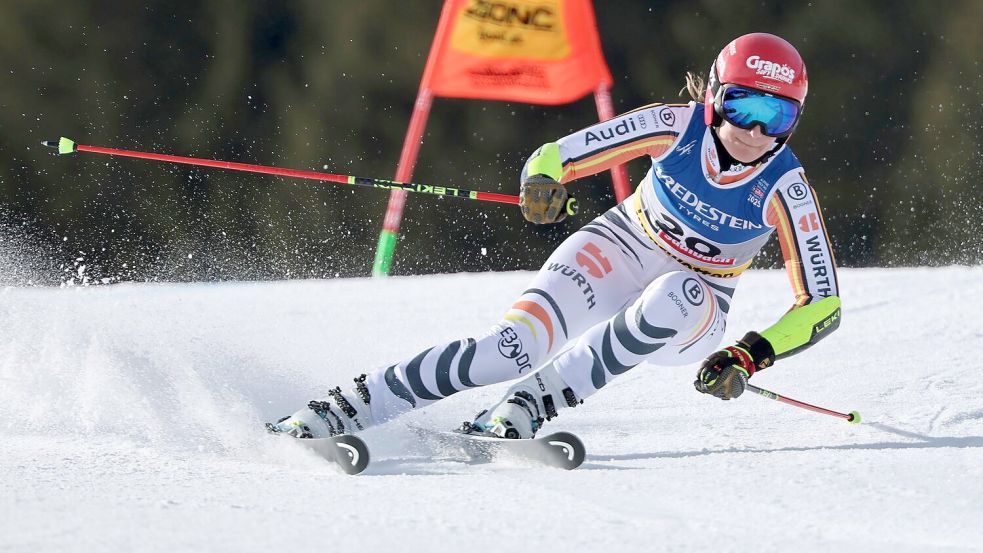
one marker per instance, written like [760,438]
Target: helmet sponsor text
[771,70]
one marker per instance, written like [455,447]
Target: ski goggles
[747,108]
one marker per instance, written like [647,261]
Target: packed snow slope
[131,420]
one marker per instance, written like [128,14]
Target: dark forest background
[890,137]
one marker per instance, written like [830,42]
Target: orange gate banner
[532,51]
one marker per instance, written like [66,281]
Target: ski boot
[336,414]
[525,407]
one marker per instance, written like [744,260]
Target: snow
[131,421]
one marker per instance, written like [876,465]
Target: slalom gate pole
[853,417]
[68,146]
[385,250]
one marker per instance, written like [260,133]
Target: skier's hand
[542,200]
[725,373]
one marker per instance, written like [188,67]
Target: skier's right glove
[542,200]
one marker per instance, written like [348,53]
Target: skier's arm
[811,267]
[650,130]
[794,212]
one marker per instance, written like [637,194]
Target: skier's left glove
[725,373]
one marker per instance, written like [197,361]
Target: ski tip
[352,455]
[63,145]
[349,453]
[854,417]
[569,451]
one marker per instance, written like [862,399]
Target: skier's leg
[592,275]
[679,318]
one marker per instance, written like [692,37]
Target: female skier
[650,280]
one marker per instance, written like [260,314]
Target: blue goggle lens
[746,108]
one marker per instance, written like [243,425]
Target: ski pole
[853,417]
[68,146]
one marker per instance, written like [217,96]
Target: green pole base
[384,254]
[854,417]
[66,145]
[63,145]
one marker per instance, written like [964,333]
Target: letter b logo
[693,291]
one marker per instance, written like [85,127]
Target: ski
[560,449]
[348,452]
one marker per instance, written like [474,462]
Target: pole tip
[64,145]
[854,417]
[572,206]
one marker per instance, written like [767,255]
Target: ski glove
[725,373]
[542,200]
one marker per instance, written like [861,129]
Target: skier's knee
[678,300]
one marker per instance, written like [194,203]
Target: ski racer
[651,280]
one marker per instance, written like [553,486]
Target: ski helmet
[758,61]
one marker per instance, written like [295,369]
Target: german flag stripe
[556,308]
[705,323]
[523,320]
[778,211]
[537,311]
[633,141]
[610,158]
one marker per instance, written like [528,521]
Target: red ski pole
[68,146]
[853,417]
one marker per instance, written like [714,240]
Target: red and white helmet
[760,61]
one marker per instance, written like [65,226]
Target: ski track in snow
[131,421]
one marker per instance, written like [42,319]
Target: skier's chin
[742,145]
